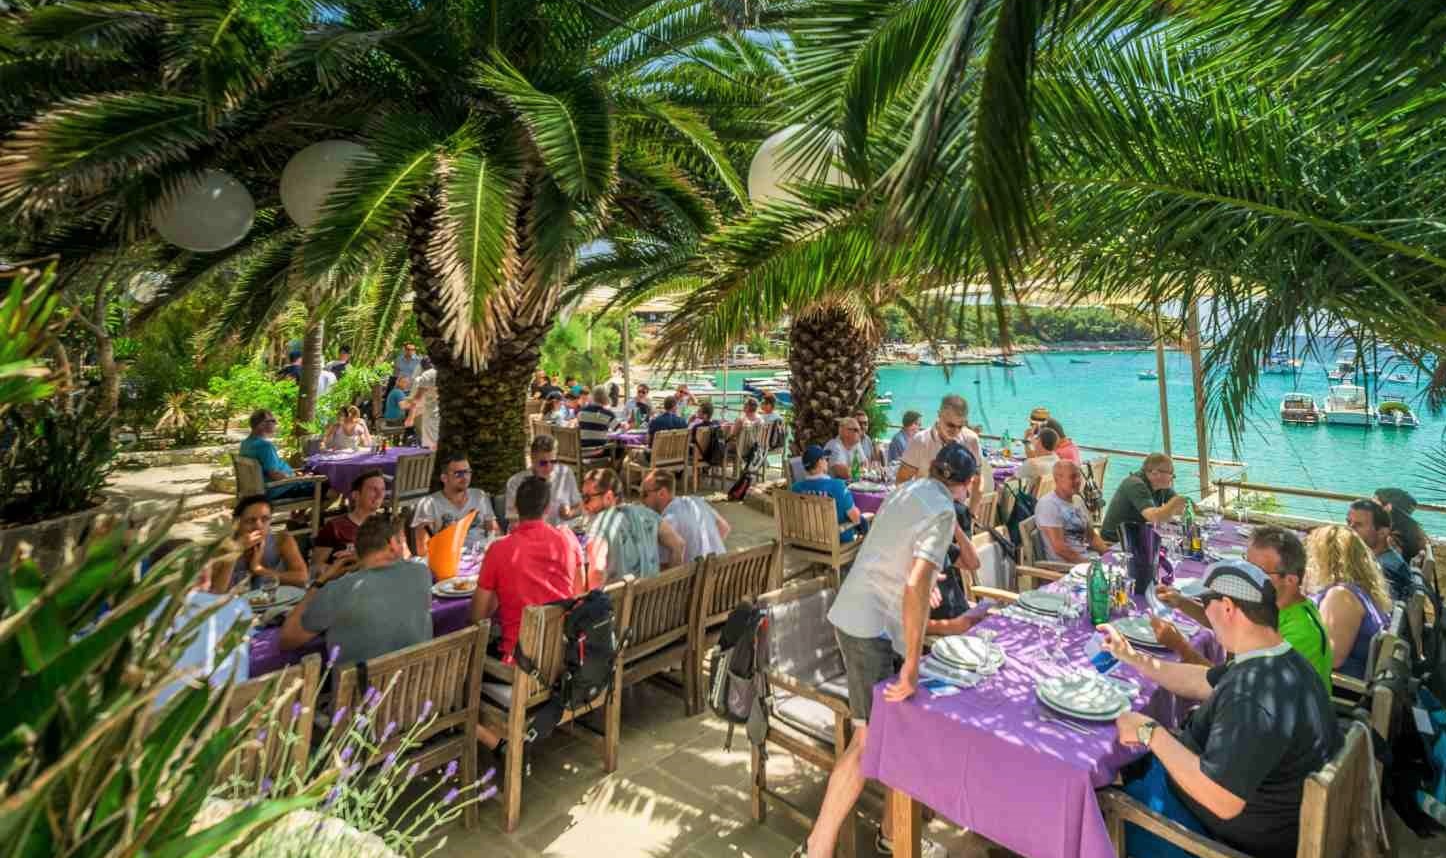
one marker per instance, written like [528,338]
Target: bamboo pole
[1160,379]
[1202,438]
[627,357]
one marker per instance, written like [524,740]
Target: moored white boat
[1147,375]
[1396,414]
[1346,404]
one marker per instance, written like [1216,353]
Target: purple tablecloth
[985,759]
[340,469]
[448,615]
[635,438]
[1004,472]
[868,502]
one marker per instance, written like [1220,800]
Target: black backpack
[590,646]
[1023,508]
[712,452]
[738,686]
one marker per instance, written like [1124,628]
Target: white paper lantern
[772,167]
[211,214]
[312,174]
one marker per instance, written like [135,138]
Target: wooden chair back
[806,521]
[414,476]
[655,619]
[1029,553]
[1335,798]
[249,479]
[748,438]
[988,512]
[670,449]
[256,759]
[569,447]
[1416,621]
[540,426]
[732,578]
[532,406]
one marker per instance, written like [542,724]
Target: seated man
[259,446]
[901,439]
[381,605]
[1066,529]
[640,409]
[1372,524]
[1236,770]
[1143,496]
[336,543]
[450,505]
[846,449]
[397,403]
[1280,554]
[695,520]
[624,538]
[1407,534]
[565,500]
[872,454]
[817,481]
[667,419]
[1041,456]
[594,421]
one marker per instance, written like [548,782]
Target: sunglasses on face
[589,496]
[462,473]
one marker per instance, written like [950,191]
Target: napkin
[444,550]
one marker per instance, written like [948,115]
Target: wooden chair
[737,457]
[724,582]
[1031,548]
[669,453]
[808,699]
[988,512]
[414,478]
[809,525]
[509,694]
[1384,640]
[1036,576]
[655,618]
[1332,803]
[258,759]
[1416,622]
[569,449]
[703,436]
[445,675]
[1096,469]
[251,481]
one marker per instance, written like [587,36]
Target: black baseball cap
[959,462]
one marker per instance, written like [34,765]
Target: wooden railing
[1241,485]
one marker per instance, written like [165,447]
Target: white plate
[1229,552]
[453,588]
[866,486]
[1082,570]
[1084,695]
[932,668]
[285,596]
[1043,601]
[1190,588]
[968,653]
[1136,630]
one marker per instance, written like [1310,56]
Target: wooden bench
[724,582]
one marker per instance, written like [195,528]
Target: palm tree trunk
[482,411]
[310,373]
[832,362]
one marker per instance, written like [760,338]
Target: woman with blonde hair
[349,432]
[1350,590]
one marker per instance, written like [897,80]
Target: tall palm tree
[501,136]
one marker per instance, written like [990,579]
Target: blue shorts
[1152,789]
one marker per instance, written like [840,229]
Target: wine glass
[269,586]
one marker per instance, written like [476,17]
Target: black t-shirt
[1266,727]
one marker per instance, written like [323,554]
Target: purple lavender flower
[332,796]
[346,753]
[350,771]
[340,714]
[332,656]
[389,761]
[451,770]
[391,728]
[296,710]
[426,711]
[412,772]
[488,775]
[266,784]
[491,791]
[261,735]
[450,797]
[361,721]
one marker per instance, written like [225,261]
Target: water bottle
[1099,593]
[854,472]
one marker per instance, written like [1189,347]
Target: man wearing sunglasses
[1144,496]
[1237,768]
[565,500]
[924,446]
[442,509]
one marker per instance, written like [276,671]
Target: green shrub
[356,384]
[56,460]
[244,389]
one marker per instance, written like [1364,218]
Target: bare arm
[916,613]
[724,528]
[1184,680]
[484,605]
[293,569]
[1165,511]
[420,537]
[840,471]
[1184,767]
[1342,614]
[671,542]
[1059,547]
[597,563]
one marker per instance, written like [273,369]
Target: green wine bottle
[1099,594]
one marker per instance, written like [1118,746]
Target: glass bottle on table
[1098,590]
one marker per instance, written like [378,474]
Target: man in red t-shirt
[535,563]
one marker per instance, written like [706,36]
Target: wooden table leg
[908,819]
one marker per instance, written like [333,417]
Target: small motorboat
[1006,362]
[1397,414]
[1078,360]
[1347,404]
[1147,375]
[1398,378]
[1299,408]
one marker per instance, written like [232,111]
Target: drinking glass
[269,585]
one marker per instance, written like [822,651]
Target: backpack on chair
[590,647]
[1091,493]
[737,686]
[1021,508]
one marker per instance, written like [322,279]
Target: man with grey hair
[1065,527]
[594,421]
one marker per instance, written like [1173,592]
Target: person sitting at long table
[1343,579]
[1144,496]
[1237,769]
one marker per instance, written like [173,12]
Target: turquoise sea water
[1102,403]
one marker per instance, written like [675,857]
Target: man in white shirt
[1041,457]
[1065,528]
[882,612]
[566,500]
[846,448]
[324,381]
[695,520]
[442,509]
[951,425]
[426,408]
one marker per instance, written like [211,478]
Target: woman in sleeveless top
[349,432]
[1350,590]
[264,552]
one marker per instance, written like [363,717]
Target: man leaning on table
[1280,554]
[1144,496]
[881,614]
[1237,768]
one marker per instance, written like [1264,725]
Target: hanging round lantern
[209,214]
[777,163]
[312,174]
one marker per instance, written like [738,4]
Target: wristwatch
[1145,732]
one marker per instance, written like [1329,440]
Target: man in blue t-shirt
[394,410]
[667,420]
[258,446]
[816,481]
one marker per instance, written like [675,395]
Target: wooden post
[1202,439]
[627,357]
[1160,373]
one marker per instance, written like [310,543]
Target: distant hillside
[1029,326]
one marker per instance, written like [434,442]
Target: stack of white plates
[963,659]
[1043,602]
[1190,588]
[867,486]
[1081,571]
[284,597]
[1087,696]
[1137,631]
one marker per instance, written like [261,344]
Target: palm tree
[502,137]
